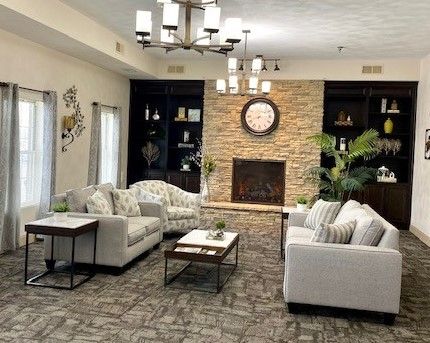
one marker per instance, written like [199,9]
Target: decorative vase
[60,216]
[205,190]
[302,207]
[388,126]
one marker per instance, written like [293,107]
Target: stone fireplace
[258,181]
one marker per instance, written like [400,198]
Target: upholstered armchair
[181,209]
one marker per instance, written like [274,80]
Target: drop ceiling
[311,29]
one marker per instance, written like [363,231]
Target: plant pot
[186,167]
[302,207]
[60,216]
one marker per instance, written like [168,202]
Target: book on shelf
[393,111]
[190,250]
[185,145]
[180,119]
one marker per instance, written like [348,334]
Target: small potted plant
[186,163]
[60,211]
[218,232]
[302,203]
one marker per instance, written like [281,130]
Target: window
[108,163]
[31,140]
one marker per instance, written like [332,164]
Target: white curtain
[49,151]
[10,190]
[93,168]
[117,144]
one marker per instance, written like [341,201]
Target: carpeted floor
[136,307]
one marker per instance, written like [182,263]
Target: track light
[276,66]
[264,66]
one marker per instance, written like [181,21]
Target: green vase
[388,126]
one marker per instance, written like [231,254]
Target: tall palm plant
[342,177]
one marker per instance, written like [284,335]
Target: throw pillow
[368,231]
[107,189]
[322,212]
[334,233]
[77,198]
[97,204]
[125,203]
[350,214]
[349,205]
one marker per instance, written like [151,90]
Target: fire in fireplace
[258,181]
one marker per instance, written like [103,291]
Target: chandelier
[257,65]
[170,39]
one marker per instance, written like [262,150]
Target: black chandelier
[170,39]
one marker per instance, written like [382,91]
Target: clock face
[260,116]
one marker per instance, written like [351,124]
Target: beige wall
[301,110]
[31,65]
[421,188]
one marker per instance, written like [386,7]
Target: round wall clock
[260,116]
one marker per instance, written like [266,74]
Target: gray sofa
[343,275]
[119,239]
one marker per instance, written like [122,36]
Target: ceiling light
[170,16]
[143,23]
[241,66]
[211,20]
[276,66]
[264,67]
[253,82]
[265,87]
[232,64]
[202,37]
[233,27]
[220,86]
[232,82]
[256,64]
[165,36]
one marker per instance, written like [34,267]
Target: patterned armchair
[181,209]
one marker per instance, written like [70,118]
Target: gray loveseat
[120,239]
[343,275]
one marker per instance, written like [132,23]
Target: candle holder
[69,123]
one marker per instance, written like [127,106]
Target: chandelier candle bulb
[253,82]
[139,38]
[233,27]
[232,64]
[170,16]
[220,86]
[232,82]
[143,23]
[200,34]
[265,87]
[211,19]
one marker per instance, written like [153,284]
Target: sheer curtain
[93,168]
[49,151]
[10,199]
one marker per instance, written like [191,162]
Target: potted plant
[218,232]
[60,211]
[186,163]
[344,178]
[302,203]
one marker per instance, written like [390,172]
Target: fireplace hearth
[258,181]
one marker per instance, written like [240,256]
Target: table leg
[165,273]
[26,259]
[94,252]
[218,276]
[237,253]
[72,267]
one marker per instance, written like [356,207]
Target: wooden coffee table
[212,252]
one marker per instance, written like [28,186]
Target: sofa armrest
[152,209]
[297,219]
[181,198]
[343,275]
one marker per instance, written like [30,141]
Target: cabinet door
[175,179]
[192,183]
[374,197]
[397,205]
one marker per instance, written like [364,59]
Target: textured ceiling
[297,28]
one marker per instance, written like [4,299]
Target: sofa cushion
[125,203]
[140,227]
[97,204]
[77,198]
[155,187]
[107,189]
[334,233]
[368,231]
[299,232]
[322,212]
[349,205]
[176,213]
[350,214]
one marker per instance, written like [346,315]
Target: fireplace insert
[258,181]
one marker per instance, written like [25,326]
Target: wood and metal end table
[70,227]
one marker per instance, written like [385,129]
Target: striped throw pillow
[322,212]
[334,233]
[368,231]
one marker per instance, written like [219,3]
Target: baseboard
[420,235]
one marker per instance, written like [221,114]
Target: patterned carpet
[136,307]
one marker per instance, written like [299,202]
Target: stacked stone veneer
[300,105]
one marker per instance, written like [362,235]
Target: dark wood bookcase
[166,96]
[362,101]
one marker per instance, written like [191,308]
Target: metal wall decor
[73,124]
